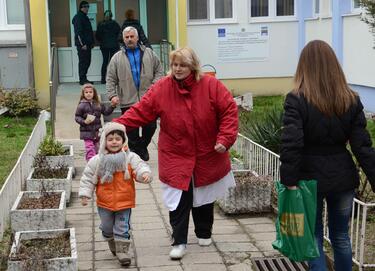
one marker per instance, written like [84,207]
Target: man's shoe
[204,242]
[177,252]
[90,82]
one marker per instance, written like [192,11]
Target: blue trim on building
[304,10]
[337,29]
[367,95]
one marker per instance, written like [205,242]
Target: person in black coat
[322,117]
[107,33]
[84,40]
[131,21]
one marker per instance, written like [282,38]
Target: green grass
[5,245]
[371,129]
[13,137]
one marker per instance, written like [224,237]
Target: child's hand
[146,178]
[84,201]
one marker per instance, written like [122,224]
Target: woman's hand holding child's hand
[146,178]
[84,201]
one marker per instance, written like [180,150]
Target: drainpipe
[29,47]
[177,27]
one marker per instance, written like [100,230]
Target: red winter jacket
[194,116]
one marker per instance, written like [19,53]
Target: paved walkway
[236,239]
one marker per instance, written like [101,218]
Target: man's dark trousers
[84,58]
[139,144]
[107,55]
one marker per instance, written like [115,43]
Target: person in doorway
[130,73]
[107,33]
[88,113]
[131,21]
[84,40]
[198,125]
[322,117]
[111,174]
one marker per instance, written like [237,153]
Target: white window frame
[315,13]
[211,15]
[4,19]
[272,17]
[353,9]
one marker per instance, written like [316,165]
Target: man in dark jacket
[84,40]
[107,34]
[131,21]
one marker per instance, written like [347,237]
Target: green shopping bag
[295,224]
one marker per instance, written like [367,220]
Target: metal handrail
[165,48]
[53,85]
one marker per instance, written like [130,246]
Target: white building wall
[283,47]
[359,55]
[12,35]
[319,29]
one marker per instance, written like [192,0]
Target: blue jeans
[339,207]
[115,224]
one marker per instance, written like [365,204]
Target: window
[211,11]
[272,8]
[285,8]
[259,8]
[223,9]
[15,12]
[356,4]
[198,9]
[317,7]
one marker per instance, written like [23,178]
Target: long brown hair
[321,80]
[95,98]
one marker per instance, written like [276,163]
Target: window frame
[4,19]
[316,14]
[211,15]
[353,9]
[272,10]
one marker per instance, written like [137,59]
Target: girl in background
[88,115]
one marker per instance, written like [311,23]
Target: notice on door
[243,44]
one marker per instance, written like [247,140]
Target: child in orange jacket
[112,173]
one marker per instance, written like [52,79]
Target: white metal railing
[257,158]
[265,162]
[16,179]
[358,237]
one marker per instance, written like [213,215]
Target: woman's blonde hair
[187,56]
[321,80]
[95,98]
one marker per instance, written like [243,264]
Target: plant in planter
[44,250]
[42,176]
[252,194]
[56,153]
[38,210]
[236,160]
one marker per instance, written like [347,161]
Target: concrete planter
[51,184]
[66,263]
[68,160]
[252,194]
[37,219]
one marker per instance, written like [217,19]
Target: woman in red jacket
[198,124]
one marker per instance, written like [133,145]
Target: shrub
[19,102]
[264,128]
[51,147]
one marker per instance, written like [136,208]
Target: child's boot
[112,246]
[122,251]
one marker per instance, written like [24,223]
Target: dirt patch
[50,173]
[39,249]
[45,201]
